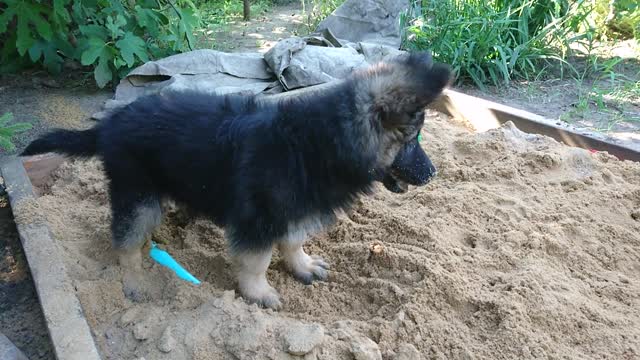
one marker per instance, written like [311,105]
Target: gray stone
[141,331]
[363,348]
[407,352]
[167,342]
[129,316]
[302,339]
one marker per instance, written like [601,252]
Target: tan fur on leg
[251,271]
[305,268]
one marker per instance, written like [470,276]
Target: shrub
[317,10]
[617,18]
[112,36]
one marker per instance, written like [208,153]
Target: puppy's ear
[438,78]
[420,59]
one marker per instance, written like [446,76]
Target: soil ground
[67,102]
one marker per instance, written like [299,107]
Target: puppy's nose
[430,174]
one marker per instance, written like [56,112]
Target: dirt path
[261,33]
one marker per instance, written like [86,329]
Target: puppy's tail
[80,143]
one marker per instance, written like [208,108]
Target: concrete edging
[68,329]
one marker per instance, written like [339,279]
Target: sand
[520,248]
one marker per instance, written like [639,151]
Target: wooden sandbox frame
[68,329]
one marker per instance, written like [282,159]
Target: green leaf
[189,21]
[19,127]
[95,31]
[35,52]
[114,26]
[60,11]
[115,7]
[95,48]
[62,44]
[118,62]
[4,119]
[6,144]
[49,51]
[42,26]
[24,40]
[5,17]
[102,72]
[132,45]
[148,19]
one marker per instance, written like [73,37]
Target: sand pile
[521,248]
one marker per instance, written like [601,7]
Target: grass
[607,99]
[493,42]
[497,42]
[8,131]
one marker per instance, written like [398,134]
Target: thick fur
[267,171]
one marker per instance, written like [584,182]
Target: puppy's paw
[261,293]
[136,289]
[307,268]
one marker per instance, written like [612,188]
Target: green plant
[498,40]
[216,13]
[617,18]
[314,11]
[7,132]
[112,36]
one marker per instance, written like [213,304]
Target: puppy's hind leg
[134,219]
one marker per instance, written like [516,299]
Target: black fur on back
[252,166]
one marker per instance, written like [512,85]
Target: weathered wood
[68,328]
[484,115]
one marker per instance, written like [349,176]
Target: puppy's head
[397,92]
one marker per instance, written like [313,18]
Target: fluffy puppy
[270,172]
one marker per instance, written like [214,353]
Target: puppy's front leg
[305,268]
[251,271]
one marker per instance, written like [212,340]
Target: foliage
[222,12]
[317,10]
[617,18]
[7,132]
[112,36]
[494,41]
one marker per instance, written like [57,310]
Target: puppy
[271,173]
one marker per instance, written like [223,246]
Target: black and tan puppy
[271,173]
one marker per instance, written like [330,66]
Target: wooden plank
[484,115]
[68,328]
[40,167]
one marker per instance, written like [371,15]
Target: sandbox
[522,247]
